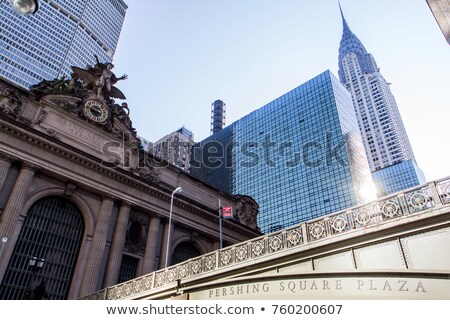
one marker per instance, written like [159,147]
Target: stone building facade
[79,195]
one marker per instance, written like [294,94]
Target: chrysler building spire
[351,43]
[388,150]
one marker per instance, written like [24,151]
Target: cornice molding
[39,139]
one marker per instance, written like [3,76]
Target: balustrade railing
[410,202]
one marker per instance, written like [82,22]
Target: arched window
[52,232]
[184,251]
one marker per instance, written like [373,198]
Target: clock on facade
[95,111]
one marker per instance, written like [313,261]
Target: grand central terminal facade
[83,206]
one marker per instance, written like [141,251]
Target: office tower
[218,110]
[175,148]
[399,176]
[300,156]
[441,12]
[384,136]
[63,33]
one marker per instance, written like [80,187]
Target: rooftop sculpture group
[94,89]
[95,82]
[101,80]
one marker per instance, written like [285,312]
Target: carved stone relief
[247,212]
[10,102]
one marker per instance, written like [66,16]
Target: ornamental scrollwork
[363,217]
[147,282]
[210,263]
[390,209]
[258,248]
[225,257]
[419,200]
[444,191]
[113,294]
[317,230]
[160,279]
[196,266]
[275,243]
[241,253]
[183,270]
[171,275]
[294,237]
[339,223]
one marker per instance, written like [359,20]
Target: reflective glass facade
[400,176]
[300,156]
[63,33]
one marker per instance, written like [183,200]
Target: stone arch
[201,247]
[51,234]
[194,249]
[74,197]
[89,226]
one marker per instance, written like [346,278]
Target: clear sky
[182,55]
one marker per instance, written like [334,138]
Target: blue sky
[181,55]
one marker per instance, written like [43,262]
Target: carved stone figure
[90,94]
[247,212]
[149,174]
[122,112]
[10,103]
[47,86]
[101,84]
[106,81]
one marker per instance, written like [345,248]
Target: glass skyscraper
[400,176]
[63,33]
[300,156]
[381,126]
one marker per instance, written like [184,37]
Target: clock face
[96,111]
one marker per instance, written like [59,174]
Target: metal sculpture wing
[85,75]
[116,93]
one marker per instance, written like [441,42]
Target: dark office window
[52,231]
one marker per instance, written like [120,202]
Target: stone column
[94,263]
[13,208]
[149,263]
[5,164]
[164,244]
[118,243]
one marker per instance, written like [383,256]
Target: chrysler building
[390,156]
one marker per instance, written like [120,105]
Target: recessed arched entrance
[52,233]
[184,251]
